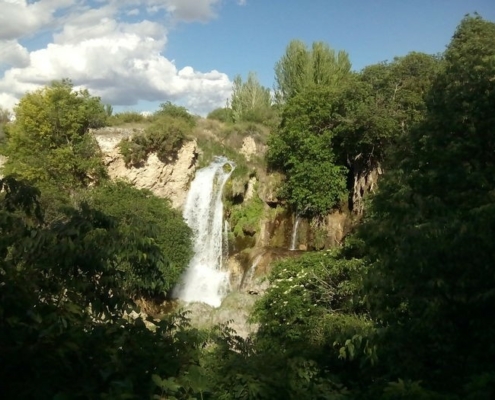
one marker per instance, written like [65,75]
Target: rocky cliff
[170,181]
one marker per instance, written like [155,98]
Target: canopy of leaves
[301,68]
[302,149]
[221,114]
[250,101]
[379,105]
[64,324]
[140,214]
[169,109]
[49,140]
[432,225]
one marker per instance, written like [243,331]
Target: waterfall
[205,280]
[293,241]
[248,276]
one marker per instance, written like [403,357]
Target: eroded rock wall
[164,180]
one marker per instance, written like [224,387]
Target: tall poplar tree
[250,100]
[301,68]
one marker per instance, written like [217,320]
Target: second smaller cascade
[293,242]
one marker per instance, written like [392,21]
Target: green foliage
[108,110]
[245,218]
[308,293]
[125,117]
[238,368]
[49,140]
[173,111]
[164,137]
[63,308]
[5,117]
[301,69]
[302,149]
[379,105]
[250,101]
[221,114]
[431,229]
[149,218]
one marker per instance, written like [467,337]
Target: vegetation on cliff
[401,311]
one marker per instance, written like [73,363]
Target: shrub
[221,114]
[126,117]
[142,215]
[163,137]
[178,112]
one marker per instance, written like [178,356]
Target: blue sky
[254,37]
[135,54]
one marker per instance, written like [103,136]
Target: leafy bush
[126,117]
[245,217]
[221,114]
[164,137]
[142,215]
[304,291]
[64,312]
[174,111]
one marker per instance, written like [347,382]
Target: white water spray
[205,280]
[293,241]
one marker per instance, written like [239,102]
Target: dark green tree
[140,214]
[376,109]
[431,230]
[65,329]
[302,149]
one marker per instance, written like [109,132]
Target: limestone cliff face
[164,180]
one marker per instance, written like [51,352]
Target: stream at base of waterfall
[205,279]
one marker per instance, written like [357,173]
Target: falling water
[205,280]
[248,277]
[294,235]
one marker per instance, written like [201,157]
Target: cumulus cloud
[120,61]
[13,54]
[20,18]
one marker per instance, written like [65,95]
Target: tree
[301,68]
[223,114]
[49,142]
[377,108]
[250,101]
[431,230]
[302,149]
[5,117]
[174,111]
[142,215]
[65,327]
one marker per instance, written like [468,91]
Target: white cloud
[192,10]
[13,54]
[19,18]
[119,61]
